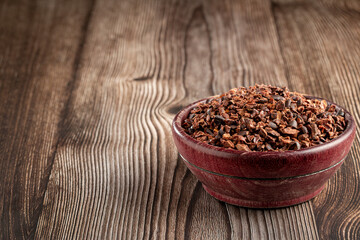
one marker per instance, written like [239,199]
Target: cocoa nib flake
[264,118]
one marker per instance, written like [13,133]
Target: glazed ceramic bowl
[262,179]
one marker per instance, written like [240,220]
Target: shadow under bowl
[262,179]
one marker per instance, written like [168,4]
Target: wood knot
[143,78]
[175,109]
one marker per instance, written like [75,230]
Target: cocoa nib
[264,118]
[242,147]
[290,131]
[272,132]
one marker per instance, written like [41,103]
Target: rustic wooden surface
[88,90]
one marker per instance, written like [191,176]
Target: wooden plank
[38,46]
[284,223]
[116,172]
[110,180]
[237,62]
[321,51]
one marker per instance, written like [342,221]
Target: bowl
[262,179]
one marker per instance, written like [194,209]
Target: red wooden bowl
[262,179]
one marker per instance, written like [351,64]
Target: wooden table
[88,91]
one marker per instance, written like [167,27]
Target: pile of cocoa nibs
[264,118]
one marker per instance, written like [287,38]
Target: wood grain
[36,65]
[154,196]
[326,59]
[90,89]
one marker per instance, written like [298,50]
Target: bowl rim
[179,130]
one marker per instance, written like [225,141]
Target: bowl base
[257,204]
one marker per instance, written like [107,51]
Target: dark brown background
[88,91]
